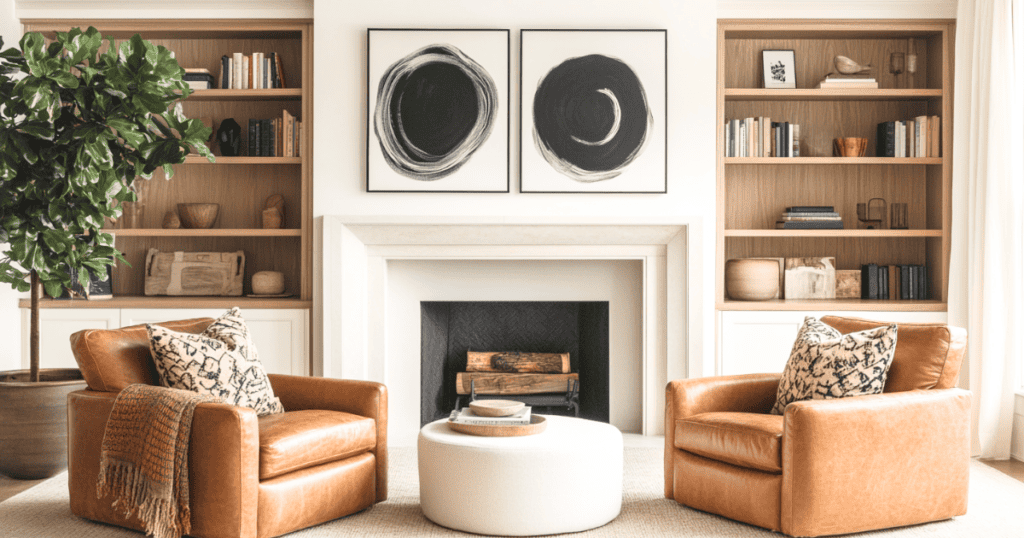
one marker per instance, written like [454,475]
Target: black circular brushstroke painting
[591,118]
[435,107]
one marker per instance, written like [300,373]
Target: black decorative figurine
[229,136]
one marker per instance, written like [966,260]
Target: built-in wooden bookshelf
[753,191]
[239,184]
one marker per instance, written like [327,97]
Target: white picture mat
[487,169]
[644,52]
[788,58]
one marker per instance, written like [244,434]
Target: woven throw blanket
[144,457]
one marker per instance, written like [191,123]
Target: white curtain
[986,288]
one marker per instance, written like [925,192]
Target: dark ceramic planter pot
[33,422]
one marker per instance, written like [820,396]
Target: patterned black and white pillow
[222,362]
[825,364]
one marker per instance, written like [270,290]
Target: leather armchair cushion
[750,440]
[111,360]
[928,355]
[300,439]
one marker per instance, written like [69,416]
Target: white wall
[341,101]
[10,318]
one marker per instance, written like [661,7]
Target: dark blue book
[811,209]
[885,145]
[252,138]
[809,225]
[869,281]
[225,73]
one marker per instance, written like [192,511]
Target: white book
[467,416]
[236,71]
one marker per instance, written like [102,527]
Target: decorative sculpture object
[229,137]
[273,212]
[897,65]
[849,147]
[847,66]
[871,215]
[171,220]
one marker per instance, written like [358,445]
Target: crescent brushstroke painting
[438,111]
[593,111]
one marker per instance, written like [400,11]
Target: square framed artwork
[437,116]
[779,69]
[593,111]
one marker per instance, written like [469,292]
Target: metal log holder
[570,399]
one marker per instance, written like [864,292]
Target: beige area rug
[996,510]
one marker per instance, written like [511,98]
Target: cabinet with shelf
[239,184]
[752,192]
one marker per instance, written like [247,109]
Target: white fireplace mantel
[350,339]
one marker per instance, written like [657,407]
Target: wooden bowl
[198,216]
[537,424]
[849,147]
[496,408]
[752,280]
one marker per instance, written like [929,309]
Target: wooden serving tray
[537,425]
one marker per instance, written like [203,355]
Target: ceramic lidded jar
[752,279]
[268,283]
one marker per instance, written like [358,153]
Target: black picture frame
[776,63]
[484,168]
[644,53]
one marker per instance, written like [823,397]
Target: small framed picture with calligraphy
[779,68]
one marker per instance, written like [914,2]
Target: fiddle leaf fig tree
[77,126]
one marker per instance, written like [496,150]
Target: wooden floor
[10,487]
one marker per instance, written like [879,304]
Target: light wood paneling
[849,252]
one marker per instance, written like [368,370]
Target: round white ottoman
[566,479]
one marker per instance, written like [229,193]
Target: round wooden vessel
[751,280]
[537,425]
[198,216]
[496,408]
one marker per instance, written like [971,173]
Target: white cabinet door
[760,342]
[56,325]
[281,336]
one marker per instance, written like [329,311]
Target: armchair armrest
[753,393]
[223,465]
[875,461]
[363,398]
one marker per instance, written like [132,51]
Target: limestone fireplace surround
[351,336]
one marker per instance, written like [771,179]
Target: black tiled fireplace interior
[451,328]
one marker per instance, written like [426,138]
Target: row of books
[256,71]
[277,137]
[894,282]
[918,137]
[761,137]
[839,81]
[467,416]
[810,218]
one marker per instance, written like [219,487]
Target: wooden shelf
[197,159]
[173,302]
[833,233]
[835,305]
[277,94]
[212,232]
[834,160]
[761,94]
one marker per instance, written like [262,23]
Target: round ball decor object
[268,283]
[229,137]
[751,280]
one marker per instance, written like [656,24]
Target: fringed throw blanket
[144,456]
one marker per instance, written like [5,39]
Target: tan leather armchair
[827,466]
[324,458]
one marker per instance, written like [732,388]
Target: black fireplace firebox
[452,328]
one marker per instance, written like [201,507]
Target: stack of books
[761,137]
[198,78]
[839,81]
[256,71]
[467,416]
[277,137]
[815,217]
[918,137]
[894,282]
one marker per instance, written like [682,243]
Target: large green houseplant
[77,126]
